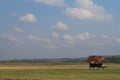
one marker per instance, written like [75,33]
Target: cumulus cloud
[18,29]
[105,37]
[55,34]
[13,39]
[43,42]
[69,39]
[88,10]
[28,18]
[14,14]
[78,13]
[118,40]
[34,38]
[51,46]
[62,26]
[48,43]
[84,36]
[52,2]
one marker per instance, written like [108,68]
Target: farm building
[96,61]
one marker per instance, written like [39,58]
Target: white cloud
[42,42]
[88,10]
[118,40]
[13,39]
[52,2]
[55,34]
[51,46]
[18,29]
[78,13]
[48,43]
[34,38]
[62,26]
[105,36]
[118,30]
[69,39]
[28,18]
[84,36]
[14,14]
[38,39]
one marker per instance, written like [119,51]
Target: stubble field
[77,71]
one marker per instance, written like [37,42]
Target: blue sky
[59,28]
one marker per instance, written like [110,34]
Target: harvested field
[57,72]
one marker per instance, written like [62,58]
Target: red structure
[96,61]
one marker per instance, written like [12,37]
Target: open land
[71,71]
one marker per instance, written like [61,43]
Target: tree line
[109,59]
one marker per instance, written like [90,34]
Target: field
[73,71]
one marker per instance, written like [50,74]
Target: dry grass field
[27,71]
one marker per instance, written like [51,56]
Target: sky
[31,29]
